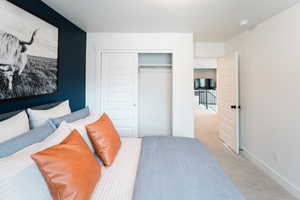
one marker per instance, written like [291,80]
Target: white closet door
[119,90]
[228,108]
[155,102]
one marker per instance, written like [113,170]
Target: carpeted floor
[253,183]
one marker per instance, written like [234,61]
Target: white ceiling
[211,20]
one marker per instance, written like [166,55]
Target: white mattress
[117,182]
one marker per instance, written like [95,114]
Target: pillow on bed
[80,127]
[105,139]
[33,136]
[69,168]
[14,126]
[39,117]
[19,176]
[74,116]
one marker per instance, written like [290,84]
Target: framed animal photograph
[28,54]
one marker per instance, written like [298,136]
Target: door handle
[235,107]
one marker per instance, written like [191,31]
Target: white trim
[136,50]
[293,189]
[113,35]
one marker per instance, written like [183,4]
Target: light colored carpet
[253,183]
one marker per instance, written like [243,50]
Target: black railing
[207,98]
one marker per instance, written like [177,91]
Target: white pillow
[20,176]
[39,117]
[80,127]
[14,126]
[15,163]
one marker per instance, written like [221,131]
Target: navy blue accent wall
[72,55]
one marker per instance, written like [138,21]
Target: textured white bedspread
[117,182]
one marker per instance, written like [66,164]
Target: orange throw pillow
[69,168]
[105,139]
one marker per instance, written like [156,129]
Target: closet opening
[155,94]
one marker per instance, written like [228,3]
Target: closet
[136,92]
[155,94]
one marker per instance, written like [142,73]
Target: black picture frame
[56,92]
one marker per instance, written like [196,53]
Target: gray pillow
[74,116]
[22,141]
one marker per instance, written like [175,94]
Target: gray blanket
[173,168]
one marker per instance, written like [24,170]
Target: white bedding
[20,179]
[117,182]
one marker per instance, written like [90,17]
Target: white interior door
[228,110]
[119,90]
[155,101]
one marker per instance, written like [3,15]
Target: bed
[149,168]
[164,168]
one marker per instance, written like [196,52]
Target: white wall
[206,54]
[269,84]
[205,63]
[209,50]
[180,44]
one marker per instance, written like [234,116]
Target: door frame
[99,75]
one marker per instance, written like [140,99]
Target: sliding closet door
[119,90]
[155,101]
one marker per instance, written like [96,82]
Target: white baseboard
[293,189]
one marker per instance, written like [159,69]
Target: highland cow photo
[28,54]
